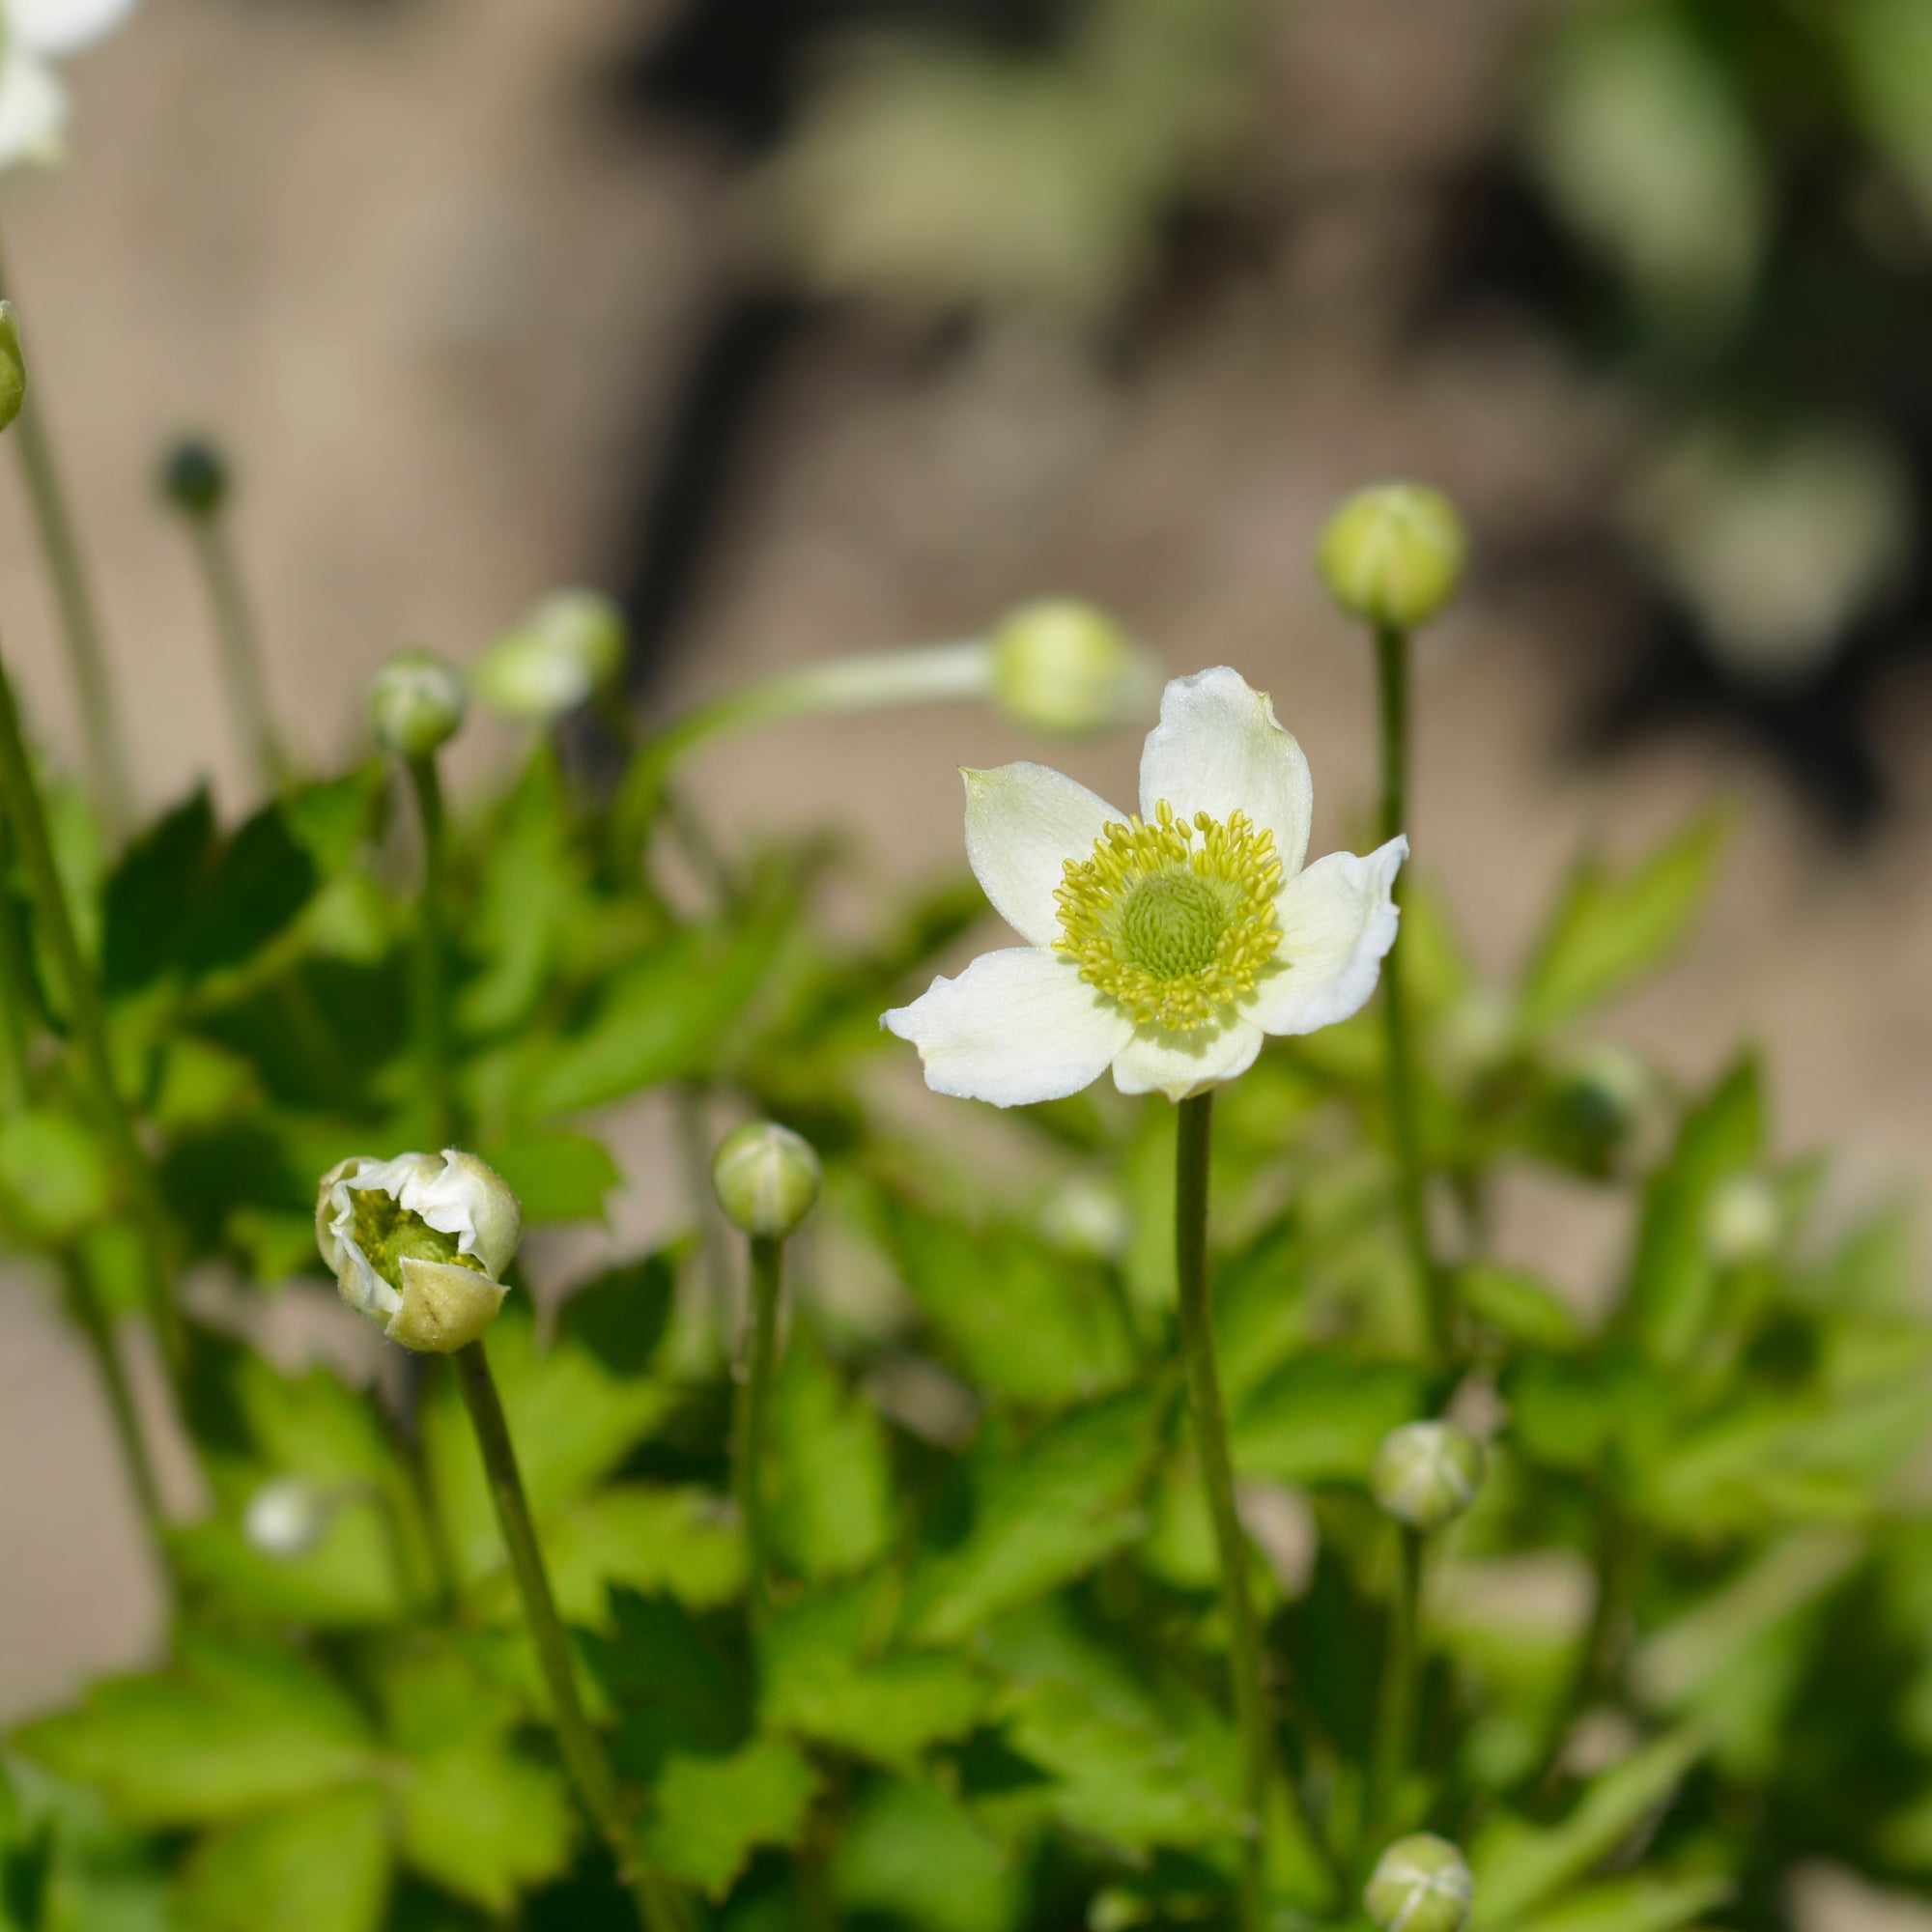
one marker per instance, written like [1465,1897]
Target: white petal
[1337,922]
[56,28]
[1023,823]
[1218,750]
[32,112]
[1184,1064]
[1015,1028]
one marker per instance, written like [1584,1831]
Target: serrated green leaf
[711,1813]
[833,1493]
[150,897]
[914,1854]
[486,1824]
[322,1866]
[557,1176]
[674,1685]
[621,1316]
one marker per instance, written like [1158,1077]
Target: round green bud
[1065,667]
[1393,556]
[286,1517]
[1421,1884]
[12,366]
[570,647]
[194,479]
[767,1178]
[1427,1473]
[416,703]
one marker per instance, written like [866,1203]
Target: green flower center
[1176,930]
[390,1233]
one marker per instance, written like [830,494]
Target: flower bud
[194,479]
[420,1242]
[1742,1221]
[1065,667]
[1427,1473]
[568,648]
[1393,556]
[1421,1884]
[12,366]
[286,1517]
[767,1178]
[416,704]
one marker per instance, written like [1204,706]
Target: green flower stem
[1195,1131]
[1392,664]
[584,1757]
[1394,1712]
[101,724]
[83,1300]
[18,1003]
[428,988]
[241,650]
[751,1422]
[21,801]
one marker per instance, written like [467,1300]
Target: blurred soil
[435,298]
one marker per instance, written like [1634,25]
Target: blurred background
[814,326]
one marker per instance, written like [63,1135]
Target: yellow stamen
[1175,931]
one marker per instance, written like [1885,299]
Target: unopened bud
[194,479]
[1742,1221]
[568,648]
[1067,667]
[1393,556]
[287,1517]
[419,1244]
[12,366]
[1421,1884]
[767,1178]
[416,703]
[1427,1473]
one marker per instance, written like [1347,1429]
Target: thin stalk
[84,1301]
[16,995]
[430,1010]
[240,651]
[101,724]
[1392,664]
[1395,1713]
[1217,1476]
[751,1424]
[584,1757]
[21,801]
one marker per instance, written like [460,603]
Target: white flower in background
[1166,945]
[419,1244]
[287,1517]
[33,34]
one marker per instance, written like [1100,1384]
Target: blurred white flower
[286,1517]
[1165,946]
[33,34]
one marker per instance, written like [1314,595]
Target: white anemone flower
[33,34]
[1166,945]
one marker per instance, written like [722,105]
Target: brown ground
[425,297]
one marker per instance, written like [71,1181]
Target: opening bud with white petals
[1065,667]
[1427,1473]
[567,649]
[419,1244]
[416,703]
[767,1178]
[1421,1884]
[1393,556]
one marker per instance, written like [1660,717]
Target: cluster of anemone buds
[1427,1473]
[1421,1884]
[419,1244]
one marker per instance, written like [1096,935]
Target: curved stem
[1392,664]
[21,801]
[1195,1128]
[1395,1713]
[430,1009]
[241,650]
[754,1407]
[584,1757]
[84,1301]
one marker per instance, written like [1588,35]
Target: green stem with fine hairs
[21,801]
[1395,1711]
[750,1423]
[240,651]
[1195,1131]
[584,1757]
[1399,1053]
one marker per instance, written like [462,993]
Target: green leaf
[1610,929]
[323,1866]
[55,1178]
[1519,1867]
[712,1812]
[1321,1417]
[1673,1279]
[832,1501]
[1042,1517]
[1524,1309]
[486,1824]
[1641,1904]
[673,1686]
[332,819]
[232,1729]
[149,897]
[620,1317]
[914,1854]
[557,1176]
[260,881]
